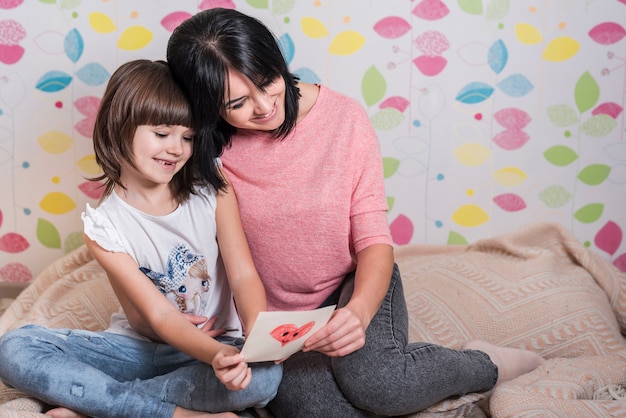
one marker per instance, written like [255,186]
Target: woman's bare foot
[184,413]
[511,362]
[61,412]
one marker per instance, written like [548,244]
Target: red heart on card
[287,333]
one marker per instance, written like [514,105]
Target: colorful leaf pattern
[413,73]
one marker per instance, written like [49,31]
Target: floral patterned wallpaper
[491,114]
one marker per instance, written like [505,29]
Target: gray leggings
[387,377]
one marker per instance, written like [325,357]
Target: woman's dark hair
[140,92]
[200,53]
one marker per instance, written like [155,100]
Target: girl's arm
[243,277]
[139,295]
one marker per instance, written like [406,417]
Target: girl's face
[159,153]
[249,108]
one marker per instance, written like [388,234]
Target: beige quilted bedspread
[536,288]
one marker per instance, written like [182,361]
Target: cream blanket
[537,288]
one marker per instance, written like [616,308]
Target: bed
[536,288]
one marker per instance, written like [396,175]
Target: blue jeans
[387,377]
[108,375]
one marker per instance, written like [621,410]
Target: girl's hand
[231,368]
[207,328]
[343,334]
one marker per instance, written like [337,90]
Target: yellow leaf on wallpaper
[470,215]
[510,176]
[346,43]
[88,165]
[528,34]
[57,203]
[472,155]
[561,49]
[55,142]
[134,38]
[313,28]
[101,23]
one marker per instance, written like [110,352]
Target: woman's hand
[343,334]
[231,369]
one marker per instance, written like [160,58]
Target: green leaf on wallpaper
[387,119]
[47,234]
[562,115]
[373,86]
[594,174]
[560,155]
[73,241]
[258,4]
[48,1]
[589,213]
[555,196]
[586,93]
[390,166]
[454,238]
[390,202]
[280,7]
[497,9]
[598,125]
[473,7]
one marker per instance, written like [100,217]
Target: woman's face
[248,108]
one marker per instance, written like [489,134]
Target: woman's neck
[308,97]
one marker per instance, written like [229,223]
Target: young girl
[156,233]
[306,166]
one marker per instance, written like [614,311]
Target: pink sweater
[310,202]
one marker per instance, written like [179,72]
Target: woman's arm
[345,332]
[243,277]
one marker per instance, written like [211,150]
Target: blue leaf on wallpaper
[516,85]
[475,92]
[53,81]
[93,74]
[498,56]
[74,45]
[287,47]
[306,75]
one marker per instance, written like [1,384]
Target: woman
[306,167]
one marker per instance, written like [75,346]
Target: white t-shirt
[178,252]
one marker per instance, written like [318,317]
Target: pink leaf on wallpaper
[510,202]
[10,4]
[511,139]
[430,65]
[431,10]
[607,33]
[395,102]
[1,219]
[13,243]
[85,127]
[212,4]
[610,109]
[401,230]
[92,189]
[15,273]
[11,32]
[87,105]
[10,54]
[432,43]
[392,27]
[512,118]
[620,262]
[609,238]
[172,20]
